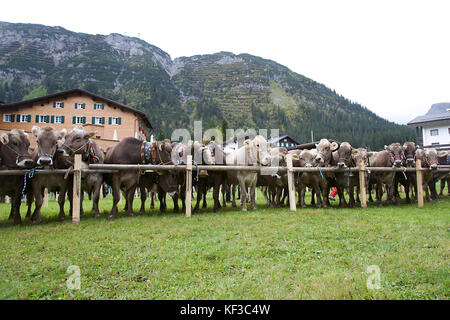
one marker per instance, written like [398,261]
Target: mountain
[222,89]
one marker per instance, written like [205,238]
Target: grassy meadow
[262,254]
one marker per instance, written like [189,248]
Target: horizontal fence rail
[78,172]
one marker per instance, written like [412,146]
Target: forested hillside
[223,89]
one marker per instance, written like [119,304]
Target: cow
[78,141]
[273,186]
[406,179]
[324,158]
[14,154]
[429,159]
[306,159]
[133,151]
[46,155]
[253,153]
[347,157]
[391,156]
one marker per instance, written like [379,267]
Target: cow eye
[15,143]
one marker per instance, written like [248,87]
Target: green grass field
[263,254]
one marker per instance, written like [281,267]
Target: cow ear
[334,146]
[4,138]
[36,130]
[89,135]
[61,134]
[386,147]
[160,147]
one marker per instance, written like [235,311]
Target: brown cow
[133,151]
[78,141]
[45,155]
[14,155]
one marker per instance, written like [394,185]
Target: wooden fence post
[76,189]
[291,183]
[362,184]
[45,198]
[419,179]
[188,186]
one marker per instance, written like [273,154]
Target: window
[58,119]
[23,118]
[434,132]
[58,104]
[80,105]
[8,118]
[78,120]
[115,120]
[98,120]
[99,106]
[40,118]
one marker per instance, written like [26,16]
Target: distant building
[282,141]
[433,128]
[110,120]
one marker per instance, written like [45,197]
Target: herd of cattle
[56,150]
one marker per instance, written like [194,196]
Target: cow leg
[199,199]
[253,196]
[61,200]
[36,217]
[379,193]
[15,208]
[152,200]
[162,201]
[342,202]
[116,195]
[233,196]
[130,197]
[81,202]
[243,193]
[216,192]
[205,192]
[313,193]
[143,199]
[30,199]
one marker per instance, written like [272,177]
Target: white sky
[391,56]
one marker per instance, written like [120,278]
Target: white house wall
[442,138]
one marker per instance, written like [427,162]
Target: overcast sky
[391,56]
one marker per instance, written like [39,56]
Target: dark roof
[276,139]
[437,112]
[76,91]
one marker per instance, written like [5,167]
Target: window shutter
[119,120]
[75,105]
[109,120]
[11,118]
[83,106]
[53,119]
[62,119]
[103,106]
[54,105]
[103,120]
[29,118]
[93,120]
[62,104]
[74,119]
[84,120]
[18,118]
[37,118]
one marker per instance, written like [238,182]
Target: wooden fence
[113,168]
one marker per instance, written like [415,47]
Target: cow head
[345,155]
[163,152]
[307,158]
[258,149]
[204,153]
[14,150]
[216,152]
[428,157]
[324,151]
[360,154]
[76,142]
[410,153]
[47,143]
[397,153]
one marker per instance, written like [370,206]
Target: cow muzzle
[308,165]
[45,161]
[26,163]
[397,163]
[341,165]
